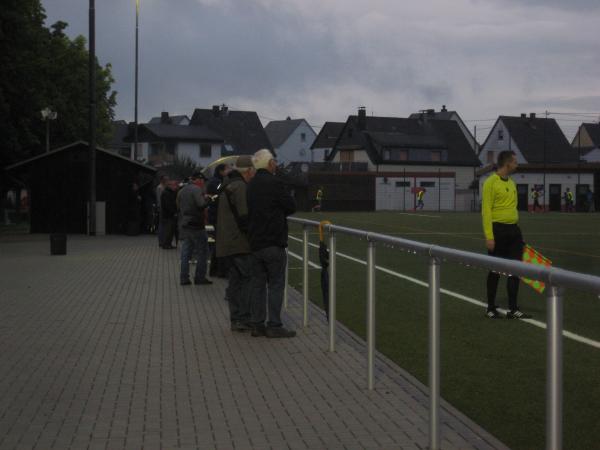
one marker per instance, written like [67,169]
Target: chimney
[164,117]
[532,115]
[362,118]
[215,110]
[523,116]
[444,108]
[224,109]
[288,118]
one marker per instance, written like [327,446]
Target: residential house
[175,120]
[546,160]
[407,155]
[241,131]
[325,140]
[118,142]
[587,142]
[444,114]
[291,140]
[159,143]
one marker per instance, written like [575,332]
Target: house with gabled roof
[159,143]
[407,155]
[241,131]
[291,140]
[547,162]
[444,114]
[587,142]
[325,140]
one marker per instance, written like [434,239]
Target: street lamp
[47,116]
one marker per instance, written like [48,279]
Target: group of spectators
[248,208]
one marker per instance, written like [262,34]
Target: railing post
[370,313]
[305,274]
[434,353]
[332,293]
[554,384]
[287,278]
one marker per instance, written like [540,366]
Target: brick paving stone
[101,348]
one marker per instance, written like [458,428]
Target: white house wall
[192,150]
[294,149]
[593,156]
[493,144]
[565,180]
[399,193]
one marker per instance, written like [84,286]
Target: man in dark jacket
[191,204]
[168,218]
[269,204]
[232,241]
[213,188]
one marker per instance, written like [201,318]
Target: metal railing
[556,279]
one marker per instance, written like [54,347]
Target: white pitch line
[535,323]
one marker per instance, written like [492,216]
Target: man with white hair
[232,241]
[269,204]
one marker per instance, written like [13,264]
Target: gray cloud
[320,60]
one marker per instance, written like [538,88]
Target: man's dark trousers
[509,245]
[239,289]
[268,268]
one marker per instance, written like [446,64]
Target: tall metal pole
[92,125]
[434,353]
[332,293]
[135,129]
[305,276]
[554,384]
[370,314]
[544,147]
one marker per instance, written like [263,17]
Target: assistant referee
[502,233]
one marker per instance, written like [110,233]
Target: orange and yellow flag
[531,256]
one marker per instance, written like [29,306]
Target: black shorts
[508,241]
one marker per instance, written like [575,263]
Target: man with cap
[191,203]
[232,241]
[269,204]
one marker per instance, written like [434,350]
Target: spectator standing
[232,242]
[213,188]
[168,207]
[502,233]
[163,180]
[269,204]
[589,198]
[191,205]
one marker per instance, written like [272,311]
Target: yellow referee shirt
[499,203]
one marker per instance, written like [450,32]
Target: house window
[402,183]
[205,151]
[346,156]
[397,155]
[490,157]
[500,134]
[303,137]
[156,148]
[427,184]
[170,148]
[436,156]
[386,155]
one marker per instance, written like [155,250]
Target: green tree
[39,68]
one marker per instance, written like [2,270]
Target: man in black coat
[168,218]
[269,204]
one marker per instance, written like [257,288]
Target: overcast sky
[321,59]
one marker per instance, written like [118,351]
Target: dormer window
[500,134]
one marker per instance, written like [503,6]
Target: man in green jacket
[232,241]
[502,233]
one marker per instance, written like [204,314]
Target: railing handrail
[551,275]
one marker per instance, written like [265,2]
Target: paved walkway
[102,349]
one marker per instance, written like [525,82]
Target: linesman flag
[532,256]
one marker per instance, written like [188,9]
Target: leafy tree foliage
[42,67]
